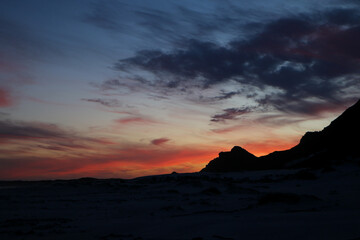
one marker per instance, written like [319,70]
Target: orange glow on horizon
[262,149]
[127,163]
[108,161]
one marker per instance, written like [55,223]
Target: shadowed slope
[337,142]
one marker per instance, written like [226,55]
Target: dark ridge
[237,158]
[336,143]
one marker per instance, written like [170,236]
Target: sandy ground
[286,204]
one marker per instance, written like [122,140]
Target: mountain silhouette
[336,143]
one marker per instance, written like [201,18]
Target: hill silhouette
[336,143]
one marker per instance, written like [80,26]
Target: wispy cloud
[159,141]
[168,22]
[46,135]
[24,130]
[135,120]
[225,130]
[105,102]
[230,114]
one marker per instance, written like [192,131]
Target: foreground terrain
[281,204]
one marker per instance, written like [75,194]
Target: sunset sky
[122,88]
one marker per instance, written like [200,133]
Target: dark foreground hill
[338,142]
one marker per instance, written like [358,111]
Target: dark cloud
[304,56]
[104,102]
[159,141]
[343,16]
[47,135]
[230,114]
[22,130]
[226,95]
[203,60]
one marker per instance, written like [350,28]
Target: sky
[121,89]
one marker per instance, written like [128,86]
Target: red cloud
[130,120]
[159,141]
[5,99]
